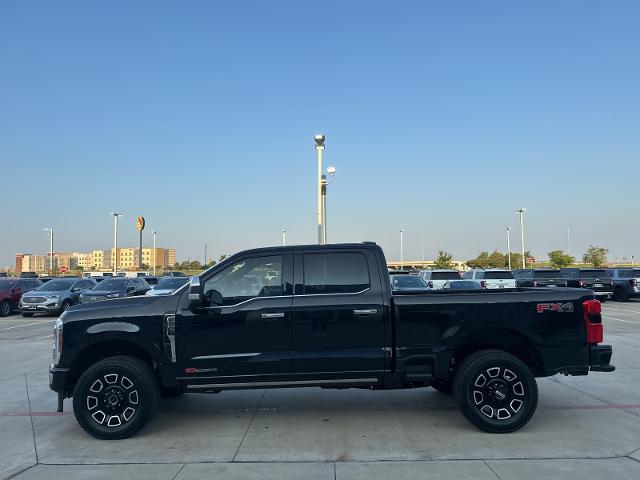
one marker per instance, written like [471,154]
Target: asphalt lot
[585,427]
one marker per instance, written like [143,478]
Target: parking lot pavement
[585,427]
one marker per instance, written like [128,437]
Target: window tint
[249,278]
[547,274]
[595,274]
[467,274]
[523,274]
[445,276]
[335,273]
[498,275]
[571,274]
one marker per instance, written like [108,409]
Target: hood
[43,293]
[99,293]
[120,308]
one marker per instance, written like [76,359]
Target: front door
[249,335]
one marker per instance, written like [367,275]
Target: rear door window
[445,276]
[327,273]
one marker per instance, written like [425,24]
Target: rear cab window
[498,275]
[445,276]
[334,273]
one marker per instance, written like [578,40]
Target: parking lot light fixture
[521,212]
[319,139]
[509,246]
[154,253]
[284,238]
[115,242]
[401,249]
[50,231]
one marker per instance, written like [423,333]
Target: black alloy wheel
[115,397]
[495,391]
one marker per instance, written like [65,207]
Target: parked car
[491,278]
[330,320]
[540,277]
[28,275]
[625,283]
[173,274]
[152,280]
[407,283]
[596,279]
[55,296]
[437,278]
[461,285]
[115,287]
[11,290]
[168,285]
[4,274]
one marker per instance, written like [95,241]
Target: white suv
[437,279]
[492,278]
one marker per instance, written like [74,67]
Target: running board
[292,383]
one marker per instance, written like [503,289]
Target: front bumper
[39,307]
[58,378]
[599,358]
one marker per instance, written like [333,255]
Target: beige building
[101,260]
[84,260]
[128,257]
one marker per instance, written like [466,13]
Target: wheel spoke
[133,397]
[481,381]
[114,421]
[99,416]
[92,402]
[516,405]
[97,386]
[518,389]
[478,397]
[493,372]
[487,410]
[503,414]
[508,375]
[126,383]
[128,413]
[111,378]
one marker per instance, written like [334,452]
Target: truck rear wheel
[495,391]
[115,397]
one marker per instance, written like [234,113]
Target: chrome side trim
[278,384]
[228,355]
[333,294]
[170,332]
[250,300]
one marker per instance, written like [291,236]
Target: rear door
[338,318]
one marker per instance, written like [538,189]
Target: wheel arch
[504,339]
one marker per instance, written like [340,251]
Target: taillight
[580,283]
[633,282]
[430,284]
[483,284]
[535,284]
[593,321]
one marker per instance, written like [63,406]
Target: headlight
[113,295]
[57,341]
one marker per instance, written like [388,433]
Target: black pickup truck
[321,316]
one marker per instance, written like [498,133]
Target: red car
[11,289]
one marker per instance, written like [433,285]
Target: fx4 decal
[555,307]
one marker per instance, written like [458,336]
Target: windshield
[171,283]
[547,274]
[6,284]
[111,284]
[56,285]
[408,281]
[445,276]
[594,273]
[504,274]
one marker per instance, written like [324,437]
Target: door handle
[367,311]
[270,316]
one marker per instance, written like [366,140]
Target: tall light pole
[50,231]
[154,253]
[569,240]
[509,246]
[284,237]
[331,171]
[521,212]
[319,139]
[422,248]
[401,249]
[115,242]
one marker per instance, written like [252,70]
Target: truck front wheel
[495,391]
[115,397]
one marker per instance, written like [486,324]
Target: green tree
[497,260]
[559,259]
[443,261]
[481,261]
[596,256]
[222,257]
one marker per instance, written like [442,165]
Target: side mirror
[196,295]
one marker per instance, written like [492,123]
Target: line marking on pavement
[25,325]
[621,310]
[620,320]
[46,336]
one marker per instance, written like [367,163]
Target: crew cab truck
[324,316]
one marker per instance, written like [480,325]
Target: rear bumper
[599,358]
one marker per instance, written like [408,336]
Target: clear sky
[441,117]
